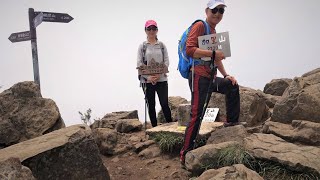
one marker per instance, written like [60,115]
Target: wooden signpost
[35,19]
[20,36]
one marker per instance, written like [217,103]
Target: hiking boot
[183,165]
[228,124]
[182,162]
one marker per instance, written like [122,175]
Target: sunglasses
[215,10]
[152,28]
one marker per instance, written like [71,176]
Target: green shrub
[86,117]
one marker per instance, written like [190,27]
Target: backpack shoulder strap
[206,26]
[144,48]
[162,49]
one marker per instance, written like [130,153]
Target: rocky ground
[279,139]
[130,166]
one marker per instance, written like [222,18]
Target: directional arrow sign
[38,20]
[55,17]
[20,36]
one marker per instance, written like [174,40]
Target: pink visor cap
[214,3]
[150,23]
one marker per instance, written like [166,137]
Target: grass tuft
[265,168]
[172,143]
[168,142]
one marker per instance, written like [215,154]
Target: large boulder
[150,152]
[24,114]
[111,142]
[296,157]
[301,101]
[253,108]
[277,86]
[232,133]
[304,132]
[11,169]
[106,140]
[110,120]
[197,159]
[128,125]
[236,172]
[315,71]
[184,114]
[143,145]
[174,102]
[205,130]
[68,153]
[270,100]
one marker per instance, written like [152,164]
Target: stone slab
[205,130]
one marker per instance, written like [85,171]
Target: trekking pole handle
[214,67]
[213,56]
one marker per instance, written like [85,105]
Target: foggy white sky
[90,62]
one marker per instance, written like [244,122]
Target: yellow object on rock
[181,128]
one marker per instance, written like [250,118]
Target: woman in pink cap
[153,49]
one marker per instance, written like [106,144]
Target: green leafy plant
[86,117]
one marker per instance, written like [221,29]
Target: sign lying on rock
[210,114]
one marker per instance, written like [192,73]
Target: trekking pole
[212,79]
[146,106]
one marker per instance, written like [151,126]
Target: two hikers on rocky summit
[202,80]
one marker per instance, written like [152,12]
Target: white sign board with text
[218,41]
[210,114]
